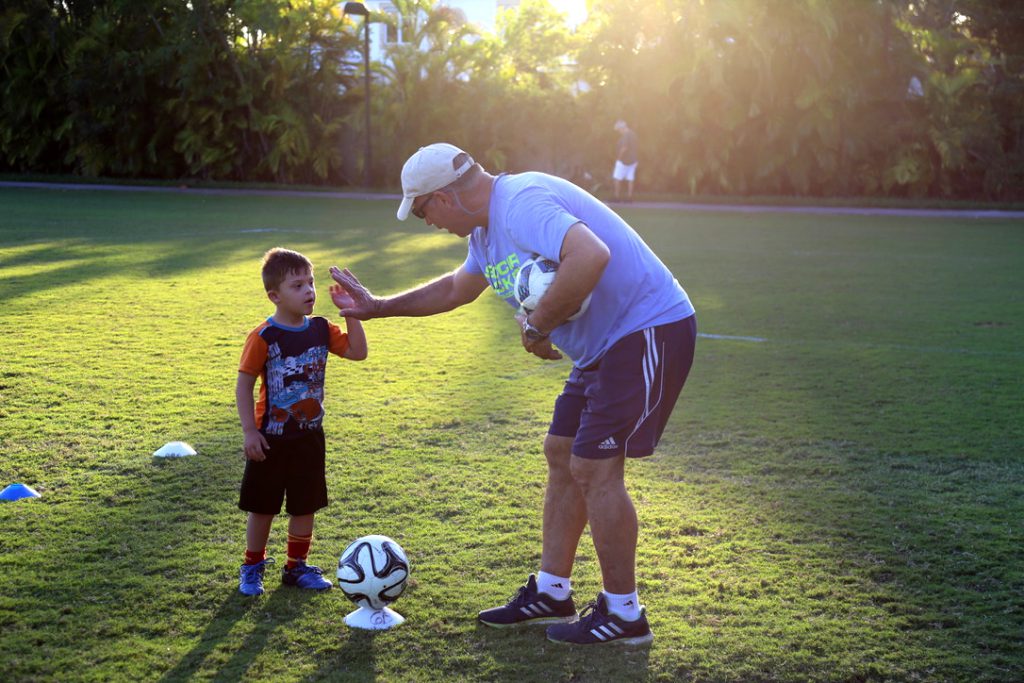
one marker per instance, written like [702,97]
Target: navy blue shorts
[295,466]
[620,406]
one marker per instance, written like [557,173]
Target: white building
[482,13]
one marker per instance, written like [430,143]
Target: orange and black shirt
[290,362]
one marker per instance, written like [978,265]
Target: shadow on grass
[85,263]
[217,637]
[526,654]
[353,661]
[906,567]
[82,238]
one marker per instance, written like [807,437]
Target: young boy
[284,438]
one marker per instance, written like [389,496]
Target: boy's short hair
[278,262]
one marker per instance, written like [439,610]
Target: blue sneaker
[597,626]
[305,575]
[250,577]
[529,606]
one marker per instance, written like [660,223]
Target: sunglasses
[418,212]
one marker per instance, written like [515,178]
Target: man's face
[441,209]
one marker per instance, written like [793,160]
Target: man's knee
[558,451]
[594,476]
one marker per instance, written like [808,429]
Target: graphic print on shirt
[502,275]
[295,388]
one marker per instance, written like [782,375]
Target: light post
[360,9]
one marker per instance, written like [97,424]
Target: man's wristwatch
[531,333]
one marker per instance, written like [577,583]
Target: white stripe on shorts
[652,367]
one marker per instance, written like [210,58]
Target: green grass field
[843,501]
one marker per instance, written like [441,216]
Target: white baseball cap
[428,170]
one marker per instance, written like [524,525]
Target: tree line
[792,97]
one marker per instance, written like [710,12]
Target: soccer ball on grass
[372,573]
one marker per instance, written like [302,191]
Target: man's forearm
[428,299]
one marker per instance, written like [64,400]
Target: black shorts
[296,467]
[621,405]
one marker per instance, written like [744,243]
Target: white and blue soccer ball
[372,571]
[532,281]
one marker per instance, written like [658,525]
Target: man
[632,350]
[626,158]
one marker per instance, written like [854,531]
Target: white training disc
[174,449]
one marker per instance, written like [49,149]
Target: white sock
[557,587]
[625,606]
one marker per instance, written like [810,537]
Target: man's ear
[274,296]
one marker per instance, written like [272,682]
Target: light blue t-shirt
[530,214]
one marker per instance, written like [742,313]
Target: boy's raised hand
[360,304]
[341,298]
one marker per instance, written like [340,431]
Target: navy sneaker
[250,577]
[597,626]
[305,575]
[529,606]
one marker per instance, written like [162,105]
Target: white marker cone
[174,449]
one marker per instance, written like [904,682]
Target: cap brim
[405,207]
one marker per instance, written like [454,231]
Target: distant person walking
[626,158]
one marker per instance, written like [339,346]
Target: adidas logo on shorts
[608,444]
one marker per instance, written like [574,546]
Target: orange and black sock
[298,549]
[255,556]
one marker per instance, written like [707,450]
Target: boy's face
[296,294]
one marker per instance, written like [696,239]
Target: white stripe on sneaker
[536,609]
[608,631]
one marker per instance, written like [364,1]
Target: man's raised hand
[361,304]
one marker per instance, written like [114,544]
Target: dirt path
[679,206]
